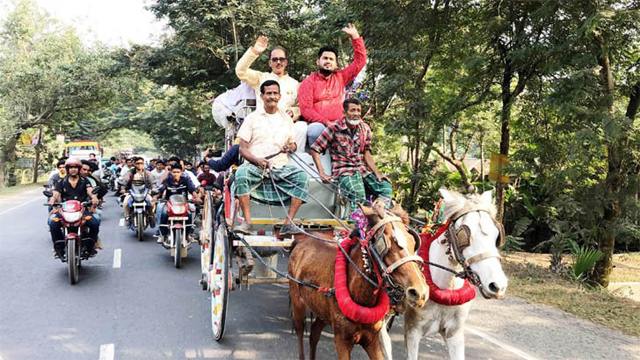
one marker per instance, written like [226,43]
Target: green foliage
[584,260]
[49,80]
[512,243]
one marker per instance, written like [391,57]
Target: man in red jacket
[321,94]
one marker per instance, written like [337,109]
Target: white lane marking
[107,352]
[503,345]
[21,205]
[117,258]
[121,222]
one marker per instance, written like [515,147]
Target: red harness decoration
[349,308]
[443,296]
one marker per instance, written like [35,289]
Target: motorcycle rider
[58,174]
[176,183]
[159,172]
[72,187]
[94,182]
[138,176]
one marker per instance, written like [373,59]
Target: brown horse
[313,261]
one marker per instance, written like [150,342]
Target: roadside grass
[537,284]
[14,190]
[626,266]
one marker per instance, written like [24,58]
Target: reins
[386,271]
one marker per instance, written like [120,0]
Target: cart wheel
[206,237]
[220,281]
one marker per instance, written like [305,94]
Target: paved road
[147,309]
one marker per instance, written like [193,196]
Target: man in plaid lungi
[349,142]
[266,136]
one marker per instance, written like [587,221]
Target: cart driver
[266,153]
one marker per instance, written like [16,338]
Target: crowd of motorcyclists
[133,180]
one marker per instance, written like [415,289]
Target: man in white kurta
[288,86]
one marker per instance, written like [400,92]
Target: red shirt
[321,97]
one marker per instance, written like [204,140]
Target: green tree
[48,78]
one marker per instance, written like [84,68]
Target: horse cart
[231,261]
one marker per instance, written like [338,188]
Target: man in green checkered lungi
[257,182]
[266,136]
[349,142]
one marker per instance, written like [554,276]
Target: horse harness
[379,249]
[460,239]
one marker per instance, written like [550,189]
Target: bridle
[460,239]
[379,248]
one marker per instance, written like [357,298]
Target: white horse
[473,232]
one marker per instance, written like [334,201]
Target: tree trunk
[7,162]
[613,182]
[37,158]
[505,118]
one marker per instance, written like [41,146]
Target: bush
[584,260]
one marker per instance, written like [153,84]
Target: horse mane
[465,203]
[401,213]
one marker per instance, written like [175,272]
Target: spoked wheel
[140,226]
[73,260]
[177,242]
[206,237]
[220,281]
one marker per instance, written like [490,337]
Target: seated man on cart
[266,136]
[349,142]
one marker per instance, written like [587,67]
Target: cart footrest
[262,240]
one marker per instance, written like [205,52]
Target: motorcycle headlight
[71,217]
[138,197]
[178,209]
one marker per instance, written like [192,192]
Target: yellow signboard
[496,168]
[25,139]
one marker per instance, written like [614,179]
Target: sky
[114,22]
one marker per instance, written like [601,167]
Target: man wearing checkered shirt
[349,143]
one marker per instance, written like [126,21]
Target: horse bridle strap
[403,261]
[383,222]
[481,257]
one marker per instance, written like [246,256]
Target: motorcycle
[106,178]
[139,209]
[75,233]
[178,211]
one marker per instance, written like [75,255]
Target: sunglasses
[74,167]
[280,59]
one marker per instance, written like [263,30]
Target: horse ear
[367,211]
[399,211]
[447,195]
[486,197]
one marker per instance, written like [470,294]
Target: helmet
[72,162]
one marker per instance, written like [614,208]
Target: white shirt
[157,175]
[267,134]
[194,179]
